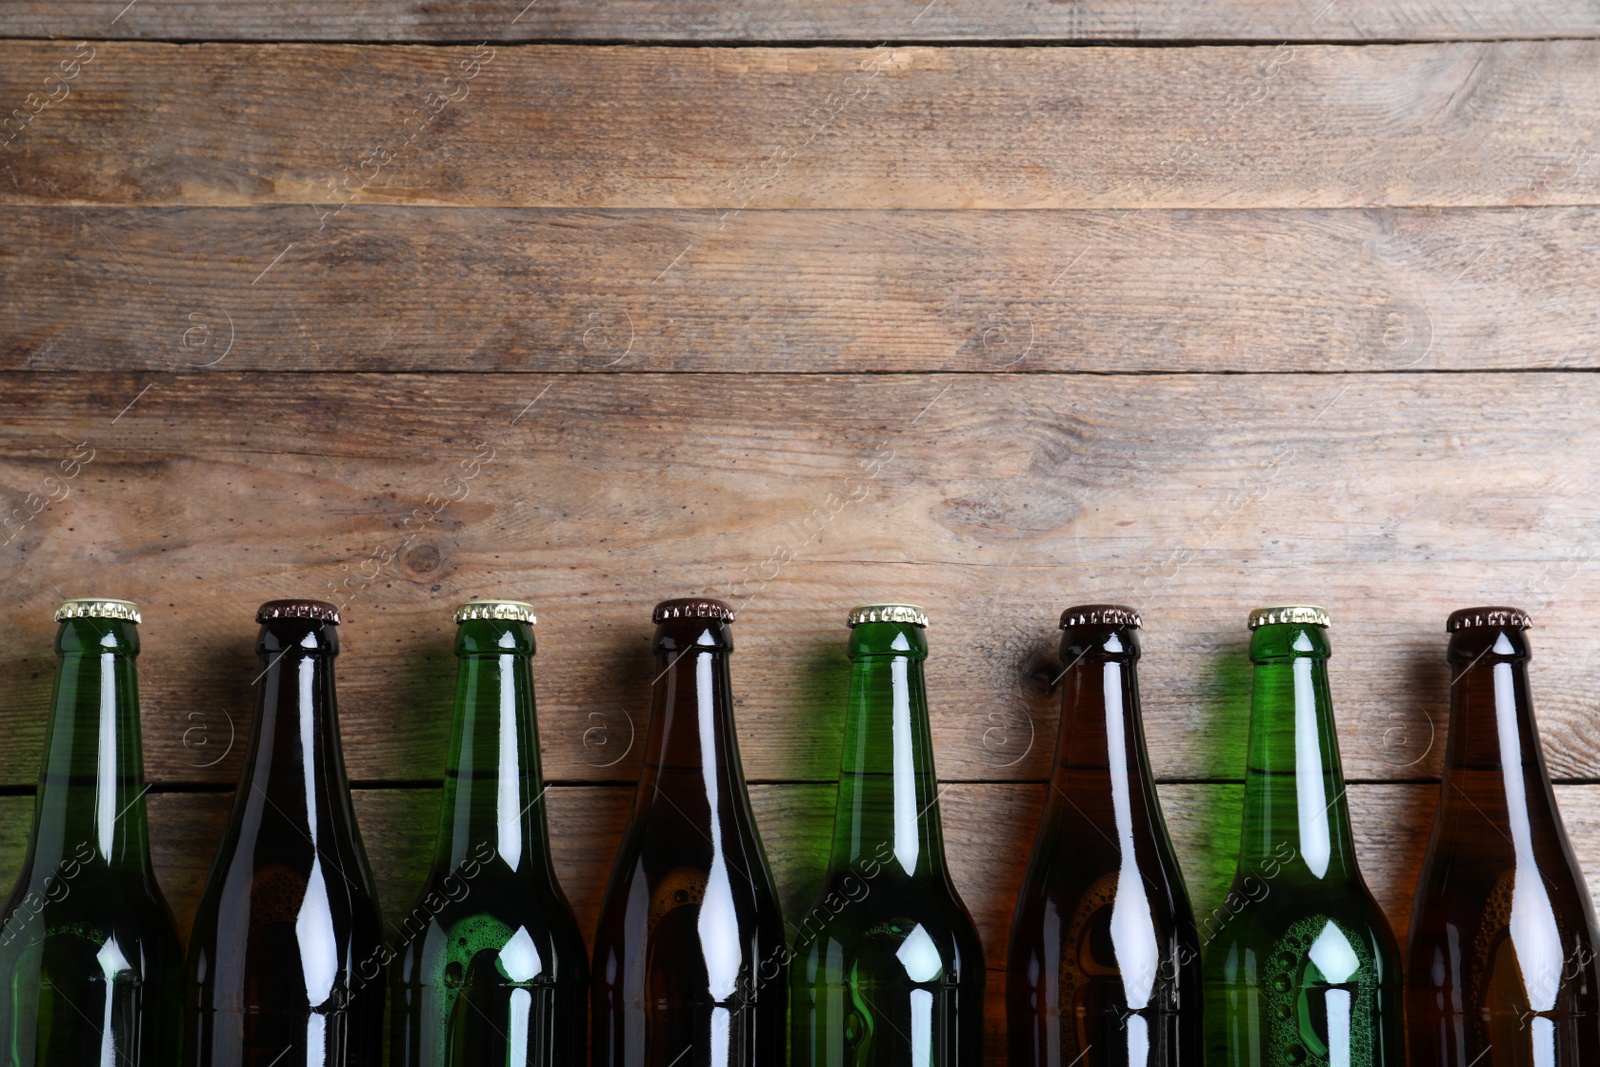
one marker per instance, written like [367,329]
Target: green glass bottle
[90,960]
[1301,967]
[493,968]
[889,971]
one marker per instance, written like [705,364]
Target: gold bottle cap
[905,613]
[503,610]
[94,607]
[691,607]
[1299,614]
[1100,615]
[1500,618]
[297,609]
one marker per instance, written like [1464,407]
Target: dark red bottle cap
[1099,615]
[297,609]
[691,607]
[1500,618]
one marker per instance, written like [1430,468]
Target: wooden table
[996,306]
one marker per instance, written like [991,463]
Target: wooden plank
[988,832]
[728,129]
[513,289]
[702,21]
[996,500]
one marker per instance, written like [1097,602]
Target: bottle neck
[493,788]
[692,752]
[1100,751]
[1295,811]
[1491,712]
[90,806]
[296,762]
[1492,730]
[888,809]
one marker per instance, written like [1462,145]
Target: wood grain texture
[996,500]
[989,831]
[817,128]
[512,289]
[702,21]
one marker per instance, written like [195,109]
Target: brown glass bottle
[286,958]
[1501,968]
[690,966]
[1104,964]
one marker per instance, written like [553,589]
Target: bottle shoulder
[90,891]
[910,943]
[1284,917]
[268,835]
[1087,898]
[649,893]
[532,944]
[1475,819]
[263,890]
[501,899]
[854,906]
[137,927]
[1469,892]
[1071,856]
[663,841]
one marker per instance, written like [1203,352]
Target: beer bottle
[1104,964]
[889,970]
[1501,967]
[493,968]
[91,965]
[1301,967]
[689,957]
[286,957]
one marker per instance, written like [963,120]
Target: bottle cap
[906,613]
[297,609]
[1100,615]
[691,607]
[1501,618]
[503,610]
[1301,614]
[94,607]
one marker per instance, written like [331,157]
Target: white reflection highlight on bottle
[112,965]
[906,845]
[920,957]
[718,921]
[105,786]
[508,814]
[1336,958]
[1311,794]
[1133,933]
[520,960]
[1535,937]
